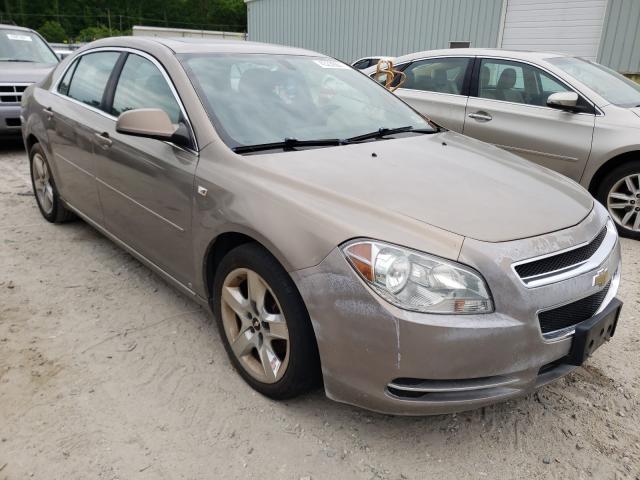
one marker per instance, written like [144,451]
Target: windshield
[24,46]
[610,85]
[258,99]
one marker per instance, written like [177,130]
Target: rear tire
[619,191]
[44,188]
[264,324]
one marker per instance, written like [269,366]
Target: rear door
[146,185]
[75,108]
[508,107]
[438,88]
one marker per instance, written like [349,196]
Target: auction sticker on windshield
[22,38]
[327,63]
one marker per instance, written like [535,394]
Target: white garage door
[565,26]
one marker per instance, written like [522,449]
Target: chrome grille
[548,268]
[12,93]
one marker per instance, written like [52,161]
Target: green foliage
[79,19]
[90,34]
[52,31]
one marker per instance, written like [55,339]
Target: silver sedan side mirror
[146,122]
[563,100]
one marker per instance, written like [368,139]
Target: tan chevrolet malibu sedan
[572,115]
[338,236]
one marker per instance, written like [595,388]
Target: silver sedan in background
[569,114]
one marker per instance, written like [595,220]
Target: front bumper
[383,358]
[10,123]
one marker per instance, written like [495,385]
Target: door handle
[103,140]
[48,112]
[481,116]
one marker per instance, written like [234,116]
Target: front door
[508,108]
[146,185]
[436,87]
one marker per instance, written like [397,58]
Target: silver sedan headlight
[417,281]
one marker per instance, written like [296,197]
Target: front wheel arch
[30,141]
[608,166]
[216,251]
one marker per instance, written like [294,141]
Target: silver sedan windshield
[260,99]
[610,85]
[24,46]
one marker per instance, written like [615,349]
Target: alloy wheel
[42,183]
[255,325]
[623,202]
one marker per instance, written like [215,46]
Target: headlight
[417,281]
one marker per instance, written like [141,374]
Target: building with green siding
[607,31]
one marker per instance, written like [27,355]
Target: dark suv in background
[25,58]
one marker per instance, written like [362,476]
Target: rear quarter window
[63,86]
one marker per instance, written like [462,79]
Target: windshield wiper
[15,60]
[383,132]
[289,144]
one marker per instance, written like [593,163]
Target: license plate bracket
[592,333]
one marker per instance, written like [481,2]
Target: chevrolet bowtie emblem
[601,278]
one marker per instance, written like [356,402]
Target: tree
[52,31]
[89,19]
[90,34]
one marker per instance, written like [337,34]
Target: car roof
[493,52]
[6,26]
[203,45]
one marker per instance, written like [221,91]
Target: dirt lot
[108,373]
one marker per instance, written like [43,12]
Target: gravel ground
[108,373]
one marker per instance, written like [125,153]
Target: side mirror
[146,122]
[563,101]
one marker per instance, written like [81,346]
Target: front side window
[443,75]
[24,46]
[516,82]
[610,85]
[256,98]
[90,77]
[142,85]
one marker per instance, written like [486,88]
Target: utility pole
[109,20]
[121,23]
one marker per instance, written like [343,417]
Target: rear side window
[142,85]
[442,75]
[91,76]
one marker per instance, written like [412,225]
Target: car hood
[445,180]
[636,110]
[23,72]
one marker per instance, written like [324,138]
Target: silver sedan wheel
[623,202]
[42,183]
[255,325]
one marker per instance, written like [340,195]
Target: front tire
[619,191]
[264,324]
[44,188]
